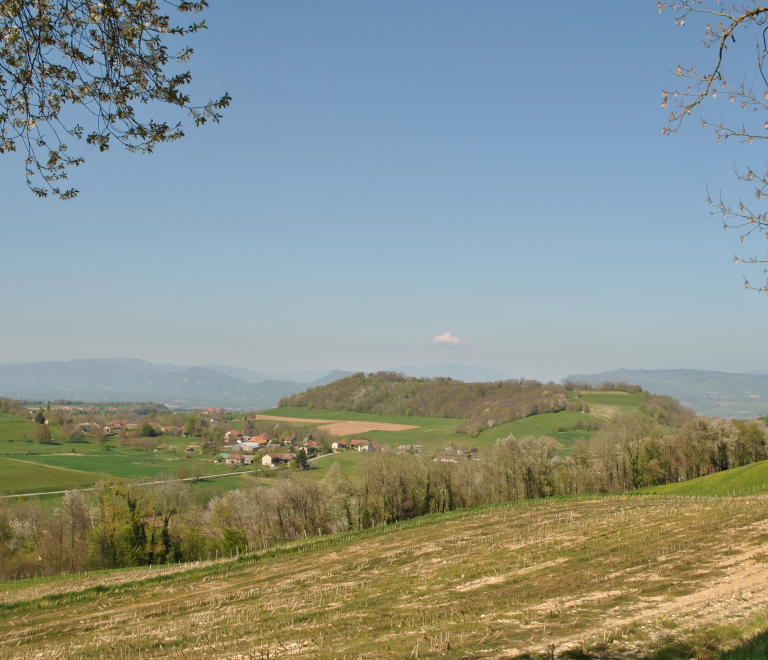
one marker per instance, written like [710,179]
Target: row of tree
[127,525]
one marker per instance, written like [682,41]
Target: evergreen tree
[301,460]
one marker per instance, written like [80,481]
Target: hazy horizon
[400,184]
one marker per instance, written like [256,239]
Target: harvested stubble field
[615,575]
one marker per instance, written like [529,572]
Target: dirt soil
[616,576]
[343,428]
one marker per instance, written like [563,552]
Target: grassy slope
[442,431]
[542,425]
[747,479]
[349,461]
[579,573]
[603,404]
[430,429]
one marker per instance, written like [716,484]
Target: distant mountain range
[125,379]
[128,379]
[712,393]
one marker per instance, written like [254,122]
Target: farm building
[233,436]
[276,459]
[411,449]
[235,459]
[250,445]
[311,447]
[449,458]
[339,445]
[362,445]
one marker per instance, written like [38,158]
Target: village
[245,448]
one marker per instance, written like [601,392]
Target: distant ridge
[714,393]
[126,379]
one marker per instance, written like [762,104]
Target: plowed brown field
[342,428]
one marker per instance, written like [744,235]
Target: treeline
[607,386]
[11,407]
[480,405]
[128,525]
[666,410]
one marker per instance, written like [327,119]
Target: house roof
[236,456]
[282,457]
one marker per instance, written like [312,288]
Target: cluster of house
[356,445]
[116,424]
[237,442]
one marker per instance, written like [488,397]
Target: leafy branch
[105,58]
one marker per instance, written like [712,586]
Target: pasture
[428,429]
[739,481]
[349,461]
[610,577]
[548,424]
[29,467]
[438,432]
[23,477]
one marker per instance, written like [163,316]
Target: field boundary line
[145,483]
[53,467]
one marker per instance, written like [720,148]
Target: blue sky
[391,172]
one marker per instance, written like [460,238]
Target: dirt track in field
[342,427]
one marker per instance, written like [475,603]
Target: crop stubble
[488,583]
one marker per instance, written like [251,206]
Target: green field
[737,481]
[542,425]
[436,432]
[16,477]
[89,463]
[430,429]
[15,428]
[127,464]
[349,461]
[63,464]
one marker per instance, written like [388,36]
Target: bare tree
[77,521]
[743,93]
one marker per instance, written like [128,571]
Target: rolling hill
[713,393]
[479,405]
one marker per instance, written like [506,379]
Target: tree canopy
[105,59]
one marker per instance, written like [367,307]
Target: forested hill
[488,404]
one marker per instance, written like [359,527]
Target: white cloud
[449,340]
